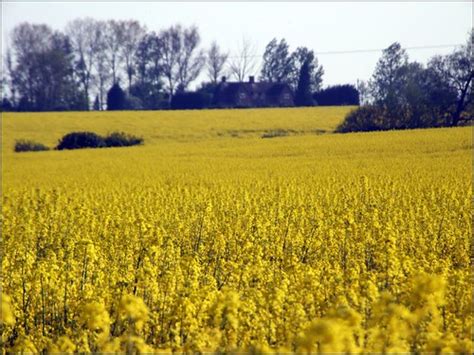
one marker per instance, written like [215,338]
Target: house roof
[277,88]
[231,88]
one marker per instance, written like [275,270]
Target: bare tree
[30,38]
[133,32]
[170,49]
[190,60]
[114,40]
[8,76]
[103,72]
[181,59]
[215,61]
[244,62]
[83,35]
[364,92]
[456,72]
[148,65]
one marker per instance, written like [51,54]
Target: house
[252,94]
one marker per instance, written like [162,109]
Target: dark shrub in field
[122,139]
[190,101]
[78,140]
[337,95]
[363,119]
[275,133]
[24,145]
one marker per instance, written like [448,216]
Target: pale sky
[323,27]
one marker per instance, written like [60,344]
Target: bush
[337,95]
[190,101]
[133,103]
[121,139]
[363,119]
[78,140]
[24,145]
[6,105]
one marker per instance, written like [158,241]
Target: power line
[381,49]
[355,51]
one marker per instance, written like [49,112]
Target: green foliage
[78,140]
[364,119]
[25,145]
[303,95]
[338,95]
[281,66]
[278,63]
[389,78]
[409,95]
[304,55]
[42,70]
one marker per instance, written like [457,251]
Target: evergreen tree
[116,99]
[301,56]
[303,95]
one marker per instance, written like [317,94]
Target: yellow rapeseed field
[210,238]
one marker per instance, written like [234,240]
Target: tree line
[403,94]
[75,69]
[53,70]
[113,64]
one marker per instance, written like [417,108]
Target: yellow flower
[8,318]
[134,309]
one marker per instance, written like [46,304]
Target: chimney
[251,79]
[223,79]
